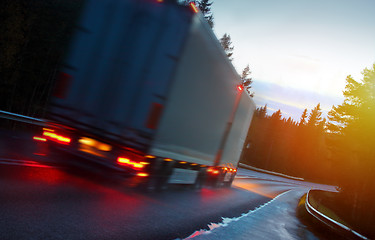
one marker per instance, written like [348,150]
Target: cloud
[291,101]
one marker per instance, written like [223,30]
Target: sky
[299,52]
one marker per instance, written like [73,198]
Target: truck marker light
[159,1]
[142,174]
[194,7]
[48,129]
[144,163]
[168,159]
[149,156]
[193,164]
[40,139]
[183,162]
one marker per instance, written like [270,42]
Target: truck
[147,91]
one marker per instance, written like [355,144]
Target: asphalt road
[43,200]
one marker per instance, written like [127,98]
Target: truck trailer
[147,91]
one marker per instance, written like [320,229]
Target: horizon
[305,50]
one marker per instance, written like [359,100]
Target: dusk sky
[299,51]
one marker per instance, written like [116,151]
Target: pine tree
[315,116]
[276,115]
[353,144]
[246,80]
[205,8]
[226,42]
[302,120]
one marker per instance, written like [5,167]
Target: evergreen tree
[352,144]
[315,116]
[246,80]
[276,115]
[262,111]
[205,8]
[226,42]
[302,120]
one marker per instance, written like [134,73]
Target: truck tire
[200,179]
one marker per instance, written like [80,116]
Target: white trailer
[146,89]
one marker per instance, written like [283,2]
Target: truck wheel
[229,183]
[200,179]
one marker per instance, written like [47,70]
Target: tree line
[287,146]
[339,151]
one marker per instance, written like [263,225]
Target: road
[50,201]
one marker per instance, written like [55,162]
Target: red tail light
[213,171]
[240,88]
[56,137]
[129,163]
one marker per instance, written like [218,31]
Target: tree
[262,111]
[226,42]
[302,120]
[276,115]
[246,80]
[205,8]
[315,116]
[353,138]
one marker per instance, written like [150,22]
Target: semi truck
[147,91]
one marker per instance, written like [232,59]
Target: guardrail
[22,118]
[30,120]
[336,226]
[269,172]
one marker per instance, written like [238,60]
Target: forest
[338,151]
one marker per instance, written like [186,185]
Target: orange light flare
[194,7]
[253,186]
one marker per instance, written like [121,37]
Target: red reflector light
[57,138]
[40,139]
[194,7]
[127,162]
